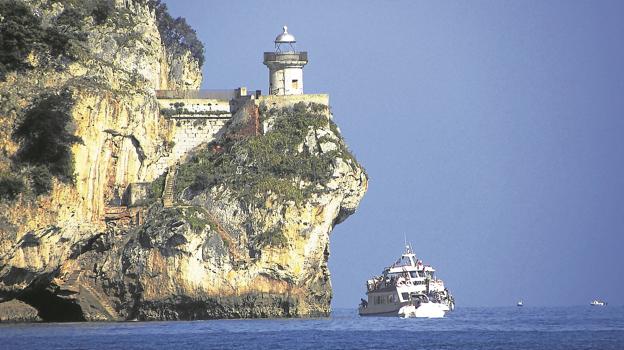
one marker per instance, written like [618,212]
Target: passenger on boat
[364,303]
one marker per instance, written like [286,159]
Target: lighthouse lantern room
[285,66]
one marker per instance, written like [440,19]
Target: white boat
[520,303]
[408,288]
[597,302]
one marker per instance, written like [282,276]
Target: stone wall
[193,131]
[193,122]
[289,100]
[136,193]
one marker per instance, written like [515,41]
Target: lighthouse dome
[285,37]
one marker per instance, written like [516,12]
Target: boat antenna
[408,246]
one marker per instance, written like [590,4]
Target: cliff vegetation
[266,164]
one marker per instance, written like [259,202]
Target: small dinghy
[597,302]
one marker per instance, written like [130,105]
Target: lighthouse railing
[197,94]
[285,56]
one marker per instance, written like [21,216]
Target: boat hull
[387,310]
[406,310]
[380,314]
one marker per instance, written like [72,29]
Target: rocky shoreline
[15,311]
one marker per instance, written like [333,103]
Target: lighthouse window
[295,84]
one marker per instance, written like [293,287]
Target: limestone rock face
[181,71]
[119,65]
[17,311]
[242,239]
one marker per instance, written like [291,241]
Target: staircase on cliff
[96,299]
[92,298]
[228,241]
[167,197]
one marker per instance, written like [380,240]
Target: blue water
[580,327]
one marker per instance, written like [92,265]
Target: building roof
[285,37]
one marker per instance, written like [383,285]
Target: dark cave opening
[51,307]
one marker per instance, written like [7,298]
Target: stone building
[285,66]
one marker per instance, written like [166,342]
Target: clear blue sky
[493,133]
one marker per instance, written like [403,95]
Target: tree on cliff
[22,34]
[46,136]
[177,32]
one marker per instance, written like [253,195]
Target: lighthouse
[285,66]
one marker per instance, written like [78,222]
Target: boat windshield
[403,261]
[414,274]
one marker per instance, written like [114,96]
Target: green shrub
[201,182]
[66,30]
[70,19]
[157,187]
[102,11]
[197,218]
[41,180]
[46,135]
[275,238]
[10,186]
[3,71]
[21,34]
[57,41]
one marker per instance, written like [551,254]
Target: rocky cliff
[247,231]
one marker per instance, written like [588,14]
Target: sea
[581,327]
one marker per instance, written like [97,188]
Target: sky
[492,131]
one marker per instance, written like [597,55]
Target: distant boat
[520,303]
[597,302]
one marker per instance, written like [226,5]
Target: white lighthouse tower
[285,66]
